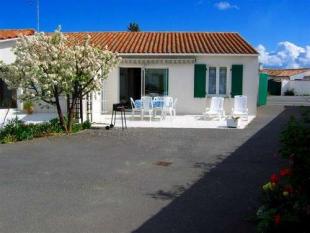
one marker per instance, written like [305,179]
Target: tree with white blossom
[51,66]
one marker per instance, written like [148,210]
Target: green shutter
[236,80]
[200,81]
[262,89]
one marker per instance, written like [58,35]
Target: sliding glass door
[137,82]
[156,82]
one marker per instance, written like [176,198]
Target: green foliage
[286,197]
[28,104]
[289,92]
[16,130]
[133,27]
[86,125]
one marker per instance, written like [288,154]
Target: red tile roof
[285,72]
[169,42]
[14,33]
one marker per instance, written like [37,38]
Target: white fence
[289,100]
[299,87]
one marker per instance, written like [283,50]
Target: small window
[212,81]
[217,80]
[223,80]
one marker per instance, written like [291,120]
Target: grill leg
[125,119]
[112,118]
[122,119]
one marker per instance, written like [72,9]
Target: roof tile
[168,42]
[15,33]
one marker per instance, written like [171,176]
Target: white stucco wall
[300,87]
[6,54]
[181,83]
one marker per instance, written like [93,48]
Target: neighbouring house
[283,80]
[8,98]
[190,66]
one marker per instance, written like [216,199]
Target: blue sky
[278,28]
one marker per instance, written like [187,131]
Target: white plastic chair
[158,108]
[167,106]
[146,106]
[240,108]
[134,108]
[216,108]
[174,107]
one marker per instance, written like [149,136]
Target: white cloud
[225,6]
[286,55]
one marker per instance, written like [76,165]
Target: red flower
[274,178]
[285,172]
[288,189]
[277,219]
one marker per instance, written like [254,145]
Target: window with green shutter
[236,80]
[200,81]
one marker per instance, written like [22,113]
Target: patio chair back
[240,103]
[175,103]
[132,102]
[158,98]
[146,102]
[168,102]
[217,104]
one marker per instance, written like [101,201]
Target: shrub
[289,92]
[8,139]
[86,125]
[286,197]
[16,130]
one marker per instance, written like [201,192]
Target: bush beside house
[17,130]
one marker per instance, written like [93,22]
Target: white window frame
[228,80]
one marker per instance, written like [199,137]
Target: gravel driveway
[142,180]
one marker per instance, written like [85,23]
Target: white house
[190,66]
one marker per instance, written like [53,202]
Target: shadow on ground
[225,197]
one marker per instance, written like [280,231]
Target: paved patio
[179,121]
[140,180]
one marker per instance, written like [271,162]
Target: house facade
[189,66]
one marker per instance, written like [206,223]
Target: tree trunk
[60,114]
[70,114]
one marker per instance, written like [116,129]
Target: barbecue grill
[121,108]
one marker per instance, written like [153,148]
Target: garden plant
[286,197]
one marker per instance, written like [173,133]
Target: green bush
[289,92]
[86,125]
[286,197]
[16,130]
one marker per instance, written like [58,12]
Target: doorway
[130,84]
[137,82]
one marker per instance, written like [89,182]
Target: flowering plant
[51,66]
[286,196]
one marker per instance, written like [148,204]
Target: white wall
[6,54]
[300,87]
[181,83]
